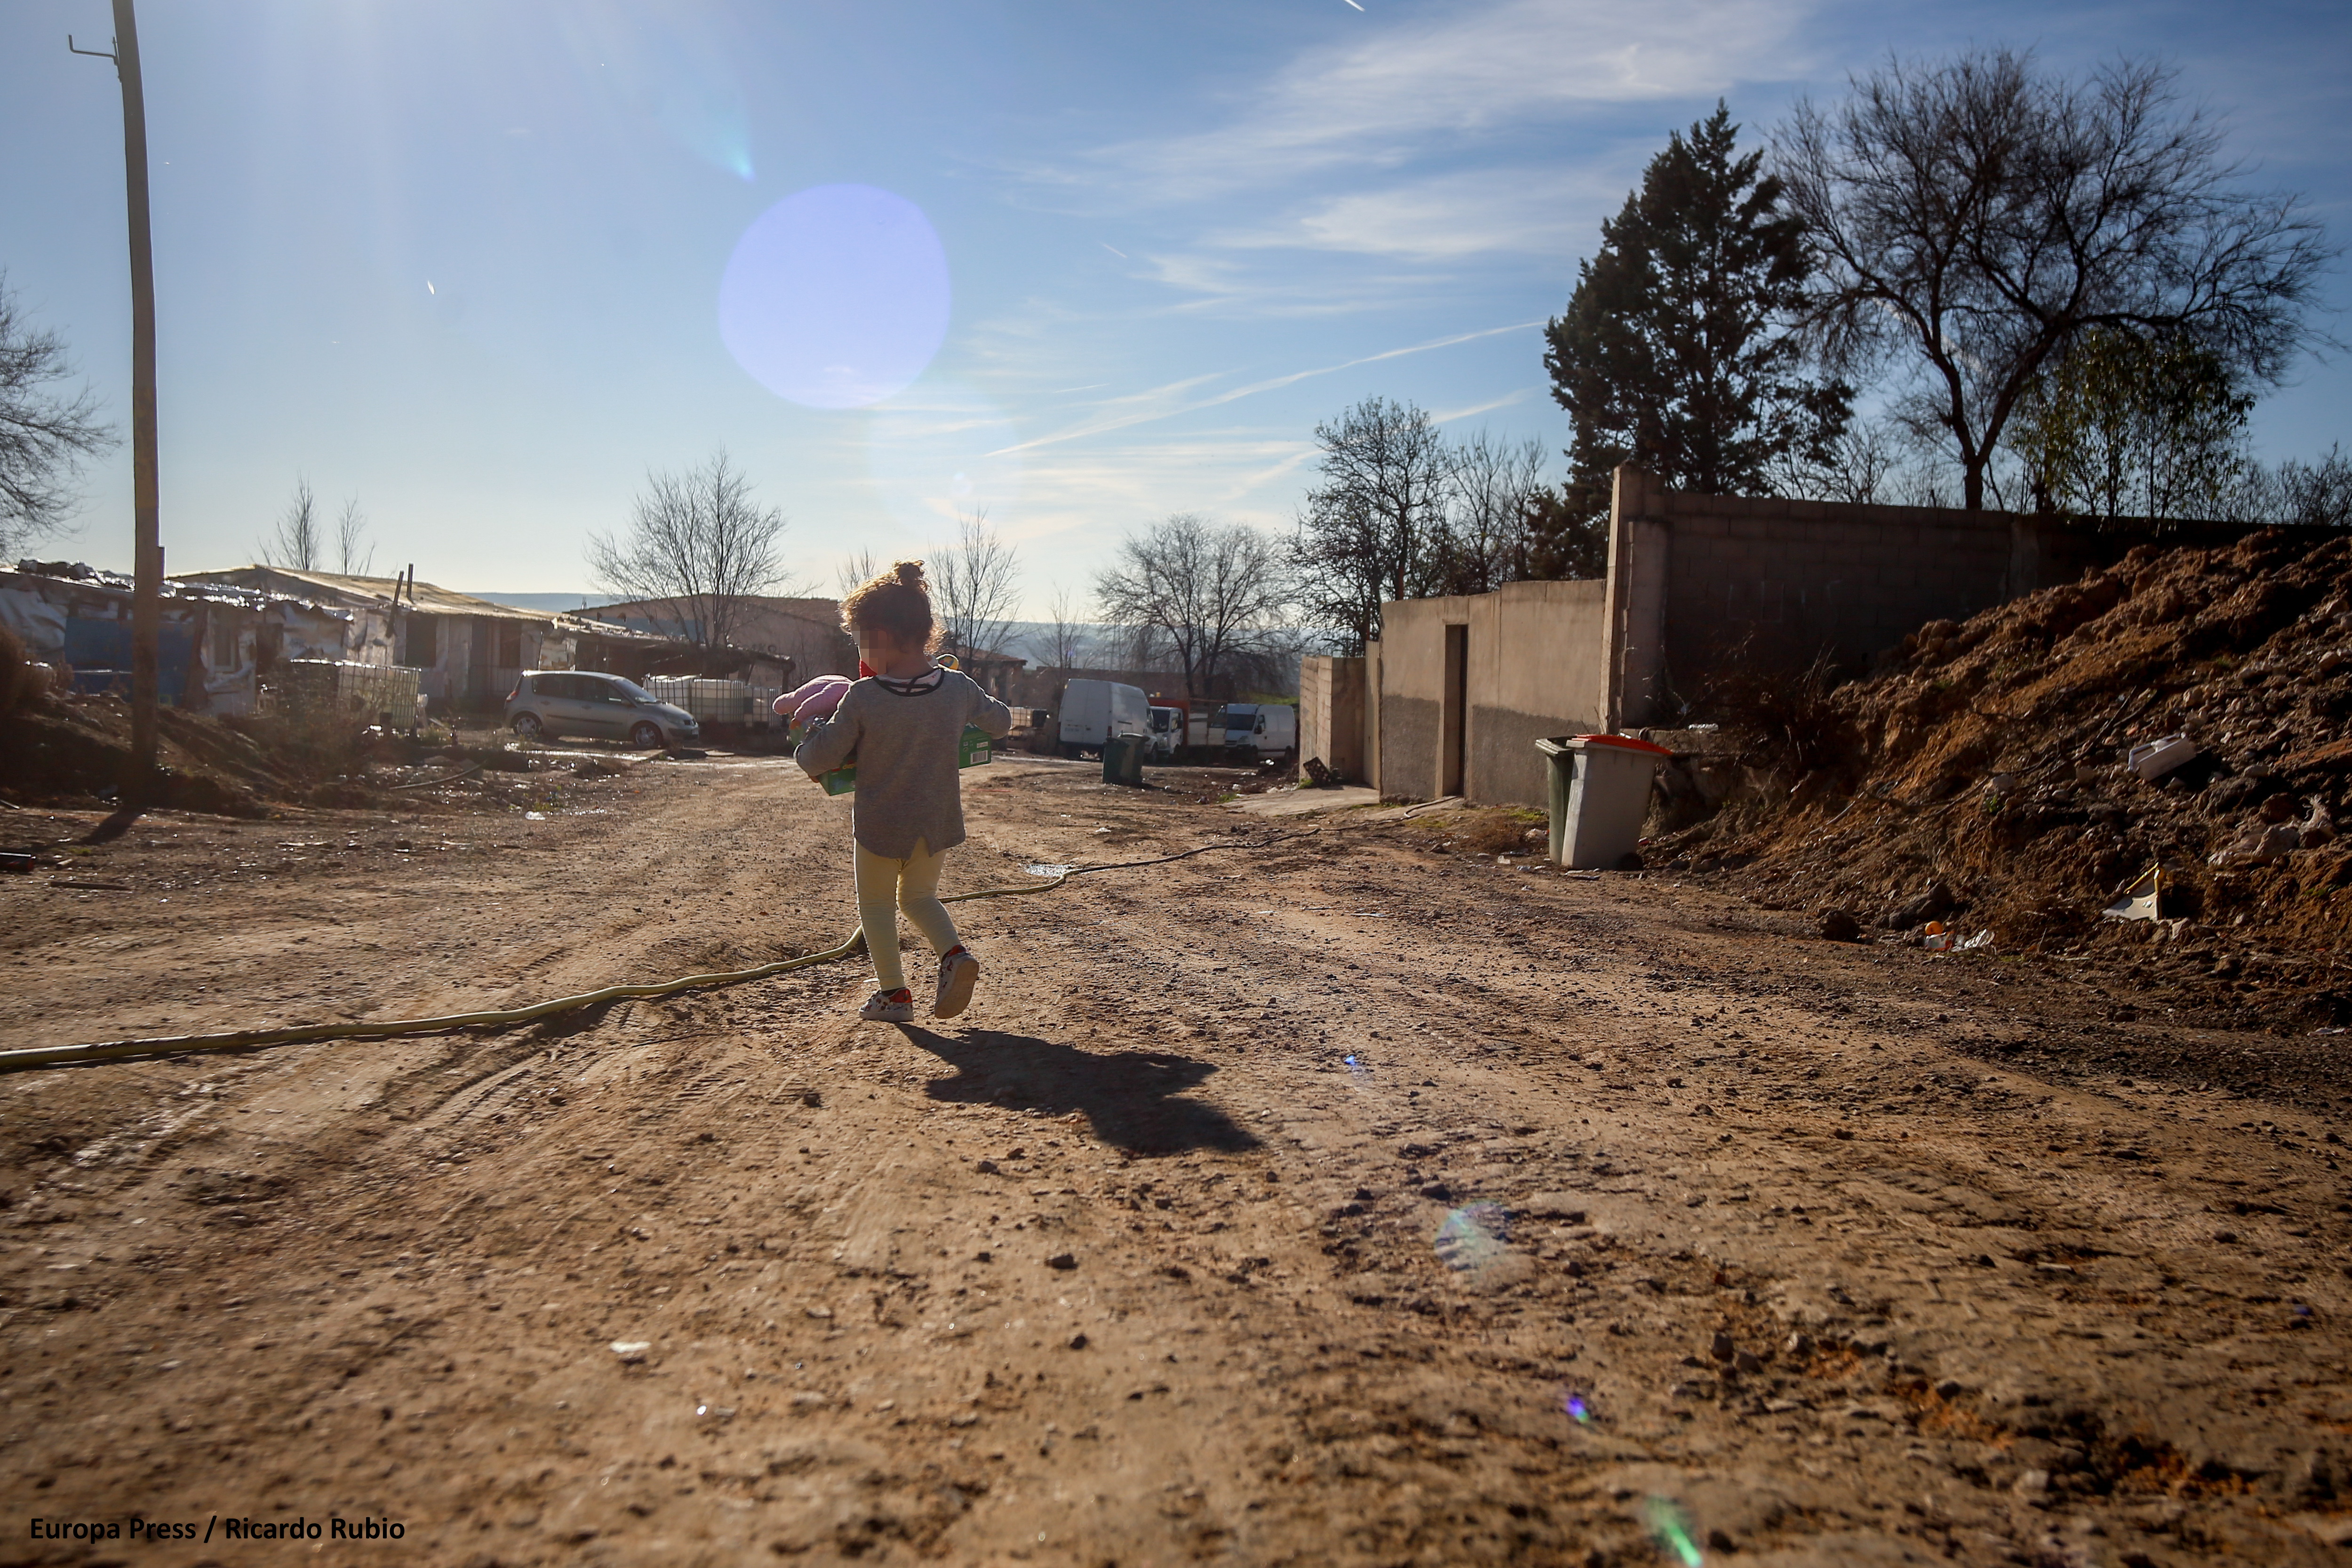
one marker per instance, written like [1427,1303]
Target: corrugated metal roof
[53,578]
[426,598]
[430,599]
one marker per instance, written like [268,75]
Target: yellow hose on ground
[496,1017]
[45,1056]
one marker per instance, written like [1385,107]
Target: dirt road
[1333,1201]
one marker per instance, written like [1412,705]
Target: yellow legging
[885,886]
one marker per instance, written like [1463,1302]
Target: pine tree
[1674,352]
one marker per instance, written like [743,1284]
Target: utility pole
[147,555]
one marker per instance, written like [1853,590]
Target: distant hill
[540,601]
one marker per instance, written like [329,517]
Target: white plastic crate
[333,686]
[711,702]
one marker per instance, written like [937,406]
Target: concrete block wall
[1410,659]
[1331,715]
[1695,582]
[1698,582]
[1534,665]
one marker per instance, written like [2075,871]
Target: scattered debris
[2153,759]
[2143,899]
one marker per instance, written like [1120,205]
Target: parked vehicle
[1094,711]
[583,702]
[1263,729]
[1167,733]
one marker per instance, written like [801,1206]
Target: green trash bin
[1599,793]
[1123,759]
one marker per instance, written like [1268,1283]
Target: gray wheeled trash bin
[1599,793]
[1123,759]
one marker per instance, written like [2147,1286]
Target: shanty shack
[216,644]
[468,652]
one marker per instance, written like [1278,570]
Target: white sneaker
[889,1007]
[958,972]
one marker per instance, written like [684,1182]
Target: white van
[1269,729]
[1094,711]
[1167,732]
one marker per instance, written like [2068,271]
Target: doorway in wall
[1455,712]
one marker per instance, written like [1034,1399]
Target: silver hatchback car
[581,703]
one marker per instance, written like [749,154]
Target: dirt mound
[78,752]
[1982,780]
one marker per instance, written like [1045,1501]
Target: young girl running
[901,723]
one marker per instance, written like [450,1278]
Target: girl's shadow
[1133,1098]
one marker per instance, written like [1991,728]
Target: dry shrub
[310,744]
[1786,719]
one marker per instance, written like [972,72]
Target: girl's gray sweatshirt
[903,737]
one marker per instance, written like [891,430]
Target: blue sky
[463,260]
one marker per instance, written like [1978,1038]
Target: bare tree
[44,437]
[976,583]
[1210,591]
[1488,540]
[1143,647]
[351,536]
[297,542]
[1270,663]
[2296,494]
[1064,641]
[699,545]
[1372,530]
[855,570]
[1974,217]
[1860,465]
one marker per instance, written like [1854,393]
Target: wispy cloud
[1218,277]
[1386,99]
[1166,403]
[1451,415]
[1080,500]
[1546,210]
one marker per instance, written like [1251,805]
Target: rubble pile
[1985,779]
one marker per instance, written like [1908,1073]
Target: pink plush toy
[814,700]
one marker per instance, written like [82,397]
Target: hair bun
[910,573]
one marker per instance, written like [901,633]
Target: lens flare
[1577,1409]
[692,92]
[837,296]
[1671,1532]
[1472,1236]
